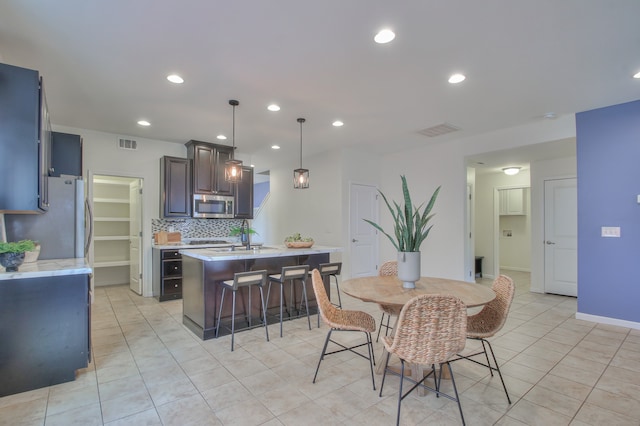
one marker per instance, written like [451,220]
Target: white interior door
[135,235]
[561,237]
[363,204]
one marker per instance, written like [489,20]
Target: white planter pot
[409,268]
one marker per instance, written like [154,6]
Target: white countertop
[212,254]
[48,268]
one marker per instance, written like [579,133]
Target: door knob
[549,242]
[354,240]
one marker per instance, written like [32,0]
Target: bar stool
[243,279]
[332,270]
[291,273]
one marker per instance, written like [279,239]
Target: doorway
[363,204]
[116,219]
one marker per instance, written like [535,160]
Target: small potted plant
[12,253]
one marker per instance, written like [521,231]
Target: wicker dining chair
[431,329]
[490,321]
[342,320]
[389,268]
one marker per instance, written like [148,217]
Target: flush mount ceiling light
[457,78]
[637,75]
[301,176]
[550,115]
[273,108]
[233,168]
[221,137]
[511,170]
[144,123]
[337,123]
[275,146]
[175,78]
[384,36]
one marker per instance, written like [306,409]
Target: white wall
[102,156]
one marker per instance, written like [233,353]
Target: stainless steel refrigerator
[61,230]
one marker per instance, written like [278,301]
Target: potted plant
[410,230]
[12,254]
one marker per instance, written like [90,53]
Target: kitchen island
[44,324]
[203,269]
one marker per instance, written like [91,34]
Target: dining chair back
[488,322]
[388,268]
[431,330]
[291,274]
[342,320]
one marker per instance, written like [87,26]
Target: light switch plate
[611,231]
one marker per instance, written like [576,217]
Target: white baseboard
[515,268]
[607,320]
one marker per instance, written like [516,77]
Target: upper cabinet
[66,154]
[175,178]
[243,201]
[208,167]
[25,141]
[512,202]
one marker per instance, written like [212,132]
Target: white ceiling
[105,63]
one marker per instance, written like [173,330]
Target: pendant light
[233,168]
[301,176]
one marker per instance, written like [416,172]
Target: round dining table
[388,290]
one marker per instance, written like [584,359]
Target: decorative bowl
[299,244]
[32,256]
[11,261]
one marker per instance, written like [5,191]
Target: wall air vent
[128,144]
[439,130]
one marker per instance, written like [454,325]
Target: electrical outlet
[611,231]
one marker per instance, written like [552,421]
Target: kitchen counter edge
[276,251]
[48,268]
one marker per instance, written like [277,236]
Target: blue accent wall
[608,158]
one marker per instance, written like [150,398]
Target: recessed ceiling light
[338,123]
[637,75]
[252,165]
[221,137]
[273,107]
[384,36]
[457,78]
[275,147]
[550,115]
[511,170]
[175,78]
[144,123]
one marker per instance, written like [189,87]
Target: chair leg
[264,313]
[400,390]
[380,327]
[498,369]
[306,301]
[281,302]
[233,319]
[324,349]
[220,312]
[455,389]
[486,355]
[372,360]
[384,372]
[338,291]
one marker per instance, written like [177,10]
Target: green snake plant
[410,223]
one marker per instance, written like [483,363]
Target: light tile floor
[148,369]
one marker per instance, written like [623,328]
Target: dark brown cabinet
[25,140]
[208,167]
[243,201]
[167,274]
[175,178]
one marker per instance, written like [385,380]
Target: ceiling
[105,64]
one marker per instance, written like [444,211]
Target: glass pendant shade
[233,168]
[233,171]
[301,176]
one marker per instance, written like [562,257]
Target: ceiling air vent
[129,144]
[439,130]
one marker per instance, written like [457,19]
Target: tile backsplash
[196,228]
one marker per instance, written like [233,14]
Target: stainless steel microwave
[212,206]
